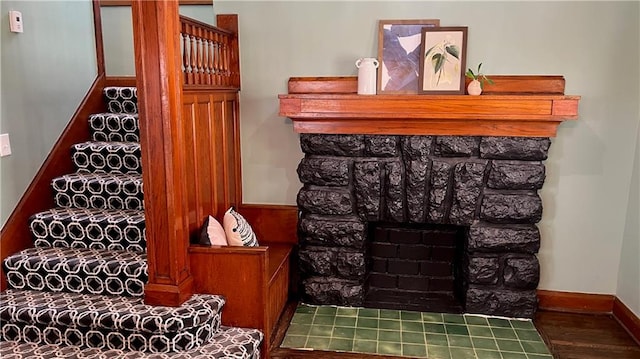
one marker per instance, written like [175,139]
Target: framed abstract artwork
[399,54]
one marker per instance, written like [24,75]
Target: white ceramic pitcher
[367,70]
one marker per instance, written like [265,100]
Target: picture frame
[443,60]
[398,52]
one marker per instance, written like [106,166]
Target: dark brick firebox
[487,185]
[415,267]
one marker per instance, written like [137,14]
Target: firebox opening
[415,267]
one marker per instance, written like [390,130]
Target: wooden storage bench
[254,281]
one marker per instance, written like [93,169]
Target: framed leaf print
[442,60]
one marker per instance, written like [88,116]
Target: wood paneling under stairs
[568,336]
[210,125]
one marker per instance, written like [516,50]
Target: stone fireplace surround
[470,161]
[486,184]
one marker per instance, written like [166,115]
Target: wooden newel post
[156,29]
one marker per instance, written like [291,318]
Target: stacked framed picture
[420,57]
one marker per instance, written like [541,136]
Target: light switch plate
[5,145]
[15,21]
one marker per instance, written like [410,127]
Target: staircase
[79,292]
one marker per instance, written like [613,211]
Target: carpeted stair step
[99,190]
[107,157]
[117,127]
[228,342]
[121,99]
[108,322]
[89,228]
[77,270]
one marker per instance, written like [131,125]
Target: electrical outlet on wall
[5,145]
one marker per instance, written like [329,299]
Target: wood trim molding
[159,83]
[503,84]
[97,28]
[627,319]
[525,106]
[487,115]
[575,302]
[38,197]
[449,127]
[237,164]
[228,22]
[591,304]
[519,84]
[272,223]
[128,2]
[120,81]
[326,85]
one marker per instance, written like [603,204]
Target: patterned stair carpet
[79,292]
[228,342]
[413,334]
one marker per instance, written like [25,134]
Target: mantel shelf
[523,114]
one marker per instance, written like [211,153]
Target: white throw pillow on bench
[238,230]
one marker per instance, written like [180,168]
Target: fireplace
[450,175]
[387,212]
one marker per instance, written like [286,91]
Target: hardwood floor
[568,336]
[585,336]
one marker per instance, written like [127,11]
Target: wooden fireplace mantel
[525,106]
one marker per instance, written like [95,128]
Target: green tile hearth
[365,346]
[413,334]
[345,321]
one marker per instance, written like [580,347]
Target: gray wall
[117,34]
[629,273]
[595,45]
[46,72]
